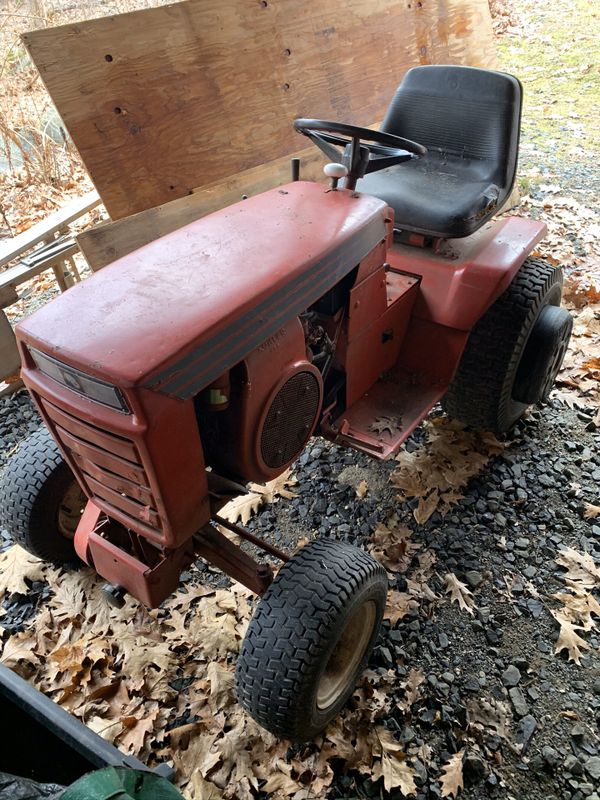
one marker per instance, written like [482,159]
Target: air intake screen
[290,419]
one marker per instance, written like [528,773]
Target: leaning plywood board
[109,241]
[166,100]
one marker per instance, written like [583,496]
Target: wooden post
[10,361]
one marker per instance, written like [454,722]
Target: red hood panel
[179,311]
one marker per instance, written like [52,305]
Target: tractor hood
[178,312]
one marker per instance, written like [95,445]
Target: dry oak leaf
[315,773]
[361,489]
[579,607]
[347,739]
[107,729]
[241,508]
[569,639]
[392,547]
[100,616]
[212,632]
[139,724]
[221,686]
[139,656]
[411,689]
[67,602]
[452,775]
[389,425]
[271,490]
[235,760]
[78,658]
[200,789]
[582,571]
[281,780]
[590,511]
[185,595]
[17,565]
[17,648]
[459,593]
[426,507]
[398,605]
[396,773]
[193,751]
[242,790]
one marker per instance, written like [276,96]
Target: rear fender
[461,280]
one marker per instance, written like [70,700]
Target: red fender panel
[464,277]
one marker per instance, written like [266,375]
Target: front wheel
[40,500]
[513,353]
[310,638]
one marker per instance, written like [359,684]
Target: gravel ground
[501,540]
[539,729]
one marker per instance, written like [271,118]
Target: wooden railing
[48,244]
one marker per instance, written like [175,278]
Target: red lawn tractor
[209,357]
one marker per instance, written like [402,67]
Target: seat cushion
[436,195]
[469,120]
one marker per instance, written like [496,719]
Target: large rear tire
[310,638]
[499,375]
[40,500]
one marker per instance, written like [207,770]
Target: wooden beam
[10,361]
[41,231]
[165,100]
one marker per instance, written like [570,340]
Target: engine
[256,420]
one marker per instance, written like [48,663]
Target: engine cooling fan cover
[291,416]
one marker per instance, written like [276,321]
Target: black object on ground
[46,743]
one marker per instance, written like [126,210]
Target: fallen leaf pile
[573,243]
[582,577]
[437,472]
[160,684]
[241,508]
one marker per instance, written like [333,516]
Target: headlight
[79,382]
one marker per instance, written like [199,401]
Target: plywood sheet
[163,101]
[109,241]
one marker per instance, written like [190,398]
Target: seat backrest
[464,112]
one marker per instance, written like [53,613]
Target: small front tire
[40,500]
[310,638]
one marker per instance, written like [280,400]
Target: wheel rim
[555,366]
[69,511]
[542,356]
[347,655]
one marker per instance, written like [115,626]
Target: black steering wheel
[380,151]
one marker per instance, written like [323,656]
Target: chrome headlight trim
[93,388]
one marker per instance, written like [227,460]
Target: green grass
[556,55]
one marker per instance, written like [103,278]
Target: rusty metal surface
[250,537]
[162,502]
[217,549]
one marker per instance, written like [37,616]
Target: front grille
[109,464]
[290,419]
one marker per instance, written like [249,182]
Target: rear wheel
[514,352]
[40,500]
[310,638]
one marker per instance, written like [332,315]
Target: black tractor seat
[469,120]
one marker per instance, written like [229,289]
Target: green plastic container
[120,783]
